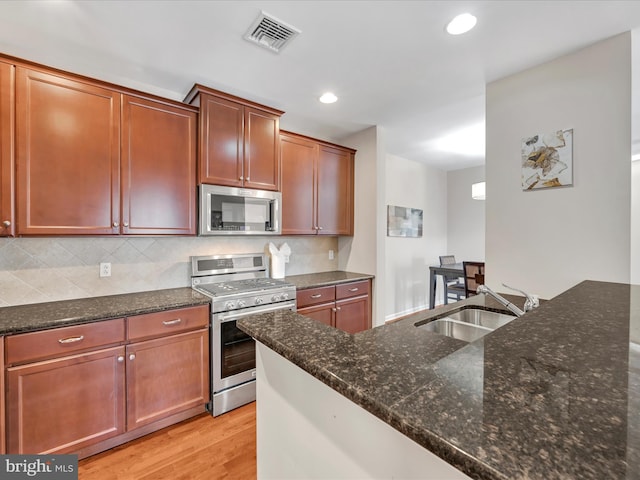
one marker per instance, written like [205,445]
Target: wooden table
[455,269]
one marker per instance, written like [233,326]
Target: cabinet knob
[6,223]
[125,224]
[241,178]
[319,228]
[120,359]
[247,179]
[116,224]
[132,356]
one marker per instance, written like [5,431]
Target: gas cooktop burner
[241,286]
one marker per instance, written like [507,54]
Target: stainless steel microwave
[239,211]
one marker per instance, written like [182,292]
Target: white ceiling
[390,62]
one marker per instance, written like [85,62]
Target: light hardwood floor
[203,447]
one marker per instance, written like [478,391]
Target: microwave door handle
[234,316]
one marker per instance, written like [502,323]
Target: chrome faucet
[530,303]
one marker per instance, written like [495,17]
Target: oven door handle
[228,317]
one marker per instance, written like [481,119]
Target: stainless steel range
[238,286]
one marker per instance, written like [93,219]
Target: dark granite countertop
[41,316]
[336,277]
[554,394]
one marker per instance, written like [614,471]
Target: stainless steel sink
[467,324]
[455,329]
[483,318]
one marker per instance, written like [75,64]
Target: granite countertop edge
[64,313]
[324,279]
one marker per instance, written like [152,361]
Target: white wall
[465,216]
[364,252]
[413,184]
[545,241]
[635,222]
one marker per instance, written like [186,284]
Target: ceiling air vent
[269,32]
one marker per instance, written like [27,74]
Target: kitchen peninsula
[553,394]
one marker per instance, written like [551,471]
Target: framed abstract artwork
[404,222]
[547,160]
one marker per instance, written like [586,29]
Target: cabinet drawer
[59,342]
[353,289]
[168,322]
[313,296]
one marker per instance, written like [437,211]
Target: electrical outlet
[330,254]
[105,269]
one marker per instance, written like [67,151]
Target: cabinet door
[7,132]
[68,148]
[158,168]
[352,315]
[298,185]
[166,376]
[335,191]
[261,150]
[323,313]
[65,404]
[221,141]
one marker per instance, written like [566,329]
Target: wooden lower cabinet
[323,313]
[352,315]
[346,306]
[166,376]
[149,372]
[65,404]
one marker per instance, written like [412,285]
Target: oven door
[233,361]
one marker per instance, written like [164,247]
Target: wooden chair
[473,276]
[452,285]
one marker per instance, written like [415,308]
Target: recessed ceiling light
[461,24]
[328,97]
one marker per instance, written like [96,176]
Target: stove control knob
[229,305]
[241,303]
[259,301]
[275,298]
[284,296]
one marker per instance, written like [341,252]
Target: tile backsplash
[34,270]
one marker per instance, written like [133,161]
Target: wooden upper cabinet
[221,140]
[68,152]
[158,168]
[298,156]
[261,149]
[317,187]
[239,140]
[7,158]
[335,191]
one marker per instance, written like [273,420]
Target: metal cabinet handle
[338,308]
[317,295]
[354,289]
[120,359]
[319,228]
[172,322]
[132,356]
[334,309]
[241,177]
[116,224]
[63,341]
[247,179]
[125,224]
[6,223]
